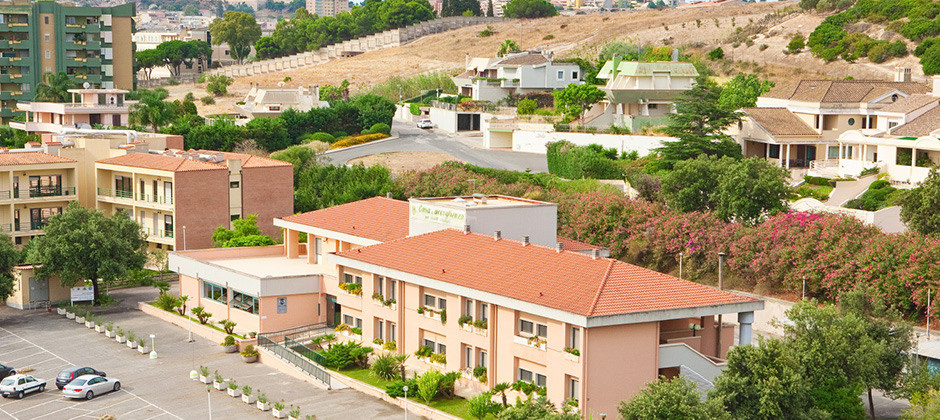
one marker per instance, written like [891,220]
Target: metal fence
[296,359]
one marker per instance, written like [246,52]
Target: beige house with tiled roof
[905,146]
[492,79]
[34,186]
[828,108]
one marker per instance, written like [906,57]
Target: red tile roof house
[588,328]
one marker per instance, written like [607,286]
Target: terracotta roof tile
[920,126]
[780,122]
[572,245]
[841,91]
[567,281]
[161,162]
[30,158]
[378,218]
[911,103]
[529,59]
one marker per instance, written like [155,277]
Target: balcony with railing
[42,193]
[128,197]
[23,228]
[163,236]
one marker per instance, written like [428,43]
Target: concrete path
[847,190]
[465,148]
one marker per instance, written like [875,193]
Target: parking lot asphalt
[153,389]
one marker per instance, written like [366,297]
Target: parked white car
[89,386]
[425,123]
[20,385]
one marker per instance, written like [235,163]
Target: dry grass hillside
[583,36]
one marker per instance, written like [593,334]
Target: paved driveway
[153,389]
[467,149]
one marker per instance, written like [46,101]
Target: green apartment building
[90,44]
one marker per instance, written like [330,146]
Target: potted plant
[310,417]
[120,338]
[249,354]
[479,373]
[252,334]
[204,375]
[228,345]
[70,312]
[263,403]
[98,327]
[278,412]
[131,340]
[109,330]
[293,413]
[80,317]
[219,383]
[90,321]
[143,347]
[233,390]
[247,398]
[60,310]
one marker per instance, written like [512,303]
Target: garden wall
[532,138]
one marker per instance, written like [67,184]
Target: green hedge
[816,180]
[567,160]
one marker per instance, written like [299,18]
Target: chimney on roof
[52,147]
[466,229]
[388,194]
[595,254]
[497,235]
[560,247]
[525,240]
[902,74]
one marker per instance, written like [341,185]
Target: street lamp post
[405,388]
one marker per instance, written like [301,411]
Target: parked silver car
[88,386]
[20,385]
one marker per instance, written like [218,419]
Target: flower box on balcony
[572,357]
[534,342]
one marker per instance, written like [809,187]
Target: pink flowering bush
[833,253]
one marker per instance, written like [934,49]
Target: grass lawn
[456,406]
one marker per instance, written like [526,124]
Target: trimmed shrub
[816,180]
[352,141]
[567,160]
[526,107]
[324,137]
[381,128]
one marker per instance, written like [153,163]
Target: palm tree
[151,109]
[507,47]
[501,389]
[55,88]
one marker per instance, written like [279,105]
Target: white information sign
[83,293]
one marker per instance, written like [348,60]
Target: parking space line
[7,344]
[7,413]
[26,357]
[37,405]
[34,344]
[108,406]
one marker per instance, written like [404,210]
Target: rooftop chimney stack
[902,74]
[595,254]
[466,229]
[560,247]
[525,240]
[497,235]
[388,194]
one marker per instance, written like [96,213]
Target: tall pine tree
[489,9]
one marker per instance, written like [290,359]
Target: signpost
[82,294]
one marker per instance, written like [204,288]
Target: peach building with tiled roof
[484,284]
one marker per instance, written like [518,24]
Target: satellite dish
[86,85]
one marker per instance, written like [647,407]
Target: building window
[482,359]
[526,326]
[48,54]
[235,217]
[467,357]
[832,152]
[45,185]
[123,186]
[484,311]
[468,307]
[540,380]
[847,152]
[574,340]
[441,348]
[167,192]
[349,278]
[352,321]
[234,184]
[318,247]
[892,124]
[380,329]
[541,330]
[773,151]
[652,106]
[392,332]
[46,36]
[214,292]
[574,75]
[561,75]
[574,389]
[39,218]
[430,300]
[894,98]
[392,289]
[525,375]
[380,286]
[168,226]
[45,20]
[245,302]
[852,122]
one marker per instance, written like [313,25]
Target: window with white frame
[574,388]
[392,331]
[441,348]
[380,329]
[349,278]
[574,338]
[468,307]
[481,360]
[561,74]
[430,300]
[833,152]
[429,343]
[467,356]
[484,311]
[380,286]
[540,380]
[527,327]
[352,321]
[393,289]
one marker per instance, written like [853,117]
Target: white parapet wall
[533,138]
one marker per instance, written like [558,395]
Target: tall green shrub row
[568,160]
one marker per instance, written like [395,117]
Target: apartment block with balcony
[34,186]
[88,108]
[423,274]
[180,198]
[91,44]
